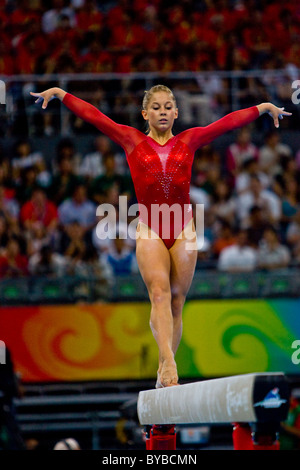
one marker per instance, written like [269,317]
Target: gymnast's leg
[183,262]
[154,262]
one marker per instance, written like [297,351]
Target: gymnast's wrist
[59,93]
[264,108]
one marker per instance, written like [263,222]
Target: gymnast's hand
[275,112]
[49,95]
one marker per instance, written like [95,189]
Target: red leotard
[161,174]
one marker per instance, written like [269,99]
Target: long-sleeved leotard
[161,174]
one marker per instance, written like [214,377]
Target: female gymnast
[160,165]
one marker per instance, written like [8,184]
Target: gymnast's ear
[145,114]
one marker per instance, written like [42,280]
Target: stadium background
[74,312]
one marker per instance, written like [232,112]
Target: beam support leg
[160,437]
[259,436]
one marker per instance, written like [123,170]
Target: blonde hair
[155,89]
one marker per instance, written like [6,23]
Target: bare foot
[158,381]
[167,374]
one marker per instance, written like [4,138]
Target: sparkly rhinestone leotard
[161,174]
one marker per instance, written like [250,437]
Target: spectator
[293,235]
[204,255]
[95,59]
[7,63]
[127,35]
[9,207]
[250,167]
[104,232]
[271,153]
[255,37]
[3,233]
[20,20]
[297,160]
[289,167]
[50,18]
[25,157]
[73,244]
[120,259]
[78,208]
[39,209]
[194,105]
[89,17]
[213,87]
[64,180]
[240,151]
[224,238]
[5,177]
[290,201]
[240,257]
[63,41]
[271,253]
[109,186]
[12,262]
[268,201]
[204,157]
[92,164]
[66,149]
[213,175]
[223,204]
[26,184]
[29,50]
[91,266]
[38,238]
[47,263]
[257,224]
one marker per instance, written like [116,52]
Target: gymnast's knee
[177,304]
[159,293]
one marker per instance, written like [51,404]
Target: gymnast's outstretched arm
[125,136]
[198,136]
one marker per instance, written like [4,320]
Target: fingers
[280,116]
[277,114]
[40,99]
[284,113]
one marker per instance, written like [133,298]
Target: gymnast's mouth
[163,120]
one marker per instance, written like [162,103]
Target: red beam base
[161,437]
[245,438]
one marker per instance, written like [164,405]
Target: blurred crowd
[53,220]
[61,36]
[48,215]
[252,204]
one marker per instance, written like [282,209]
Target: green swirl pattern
[234,337]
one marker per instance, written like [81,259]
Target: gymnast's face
[161,112]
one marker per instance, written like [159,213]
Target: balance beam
[249,398]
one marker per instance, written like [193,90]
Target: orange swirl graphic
[89,341]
